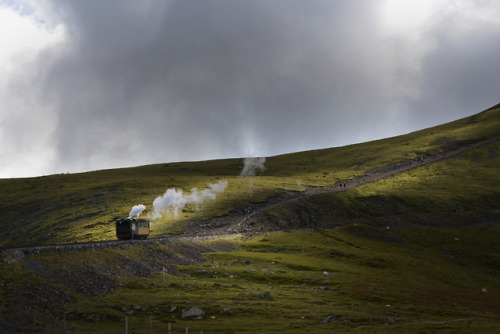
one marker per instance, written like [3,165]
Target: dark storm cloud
[198,79]
[461,74]
[139,82]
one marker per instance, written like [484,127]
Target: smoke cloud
[136,210]
[252,165]
[174,200]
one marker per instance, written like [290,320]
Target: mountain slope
[399,244]
[83,207]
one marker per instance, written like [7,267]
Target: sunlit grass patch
[445,185]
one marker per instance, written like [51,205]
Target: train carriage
[132,228]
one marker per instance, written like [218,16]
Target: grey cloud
[461,74]
[203,73]
[141,82]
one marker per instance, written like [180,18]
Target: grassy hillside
[353,278]
[413,253]
[82,207]
[464,189]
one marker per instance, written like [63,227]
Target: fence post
[126,325]
[169,328]
[187,330]
[164,270]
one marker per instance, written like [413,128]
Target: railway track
[14,253]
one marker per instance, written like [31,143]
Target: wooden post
[126,325]
[164,270]
[150,325]
[187,330]
[169,328]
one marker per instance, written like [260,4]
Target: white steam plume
[175,200]
[252,165]
[136,210]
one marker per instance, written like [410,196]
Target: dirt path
[250,222]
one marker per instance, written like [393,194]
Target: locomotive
[130,228]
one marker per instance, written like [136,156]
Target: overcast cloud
[89,85]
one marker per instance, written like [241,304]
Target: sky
[98,84]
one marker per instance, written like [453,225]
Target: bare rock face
[193,312]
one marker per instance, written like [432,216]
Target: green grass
[412,253]
[458,190]
[467,183]
[430,280]
[82,207]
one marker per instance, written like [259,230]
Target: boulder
[192,312]
[329,318]
[265,295]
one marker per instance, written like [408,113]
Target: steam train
[129,228]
